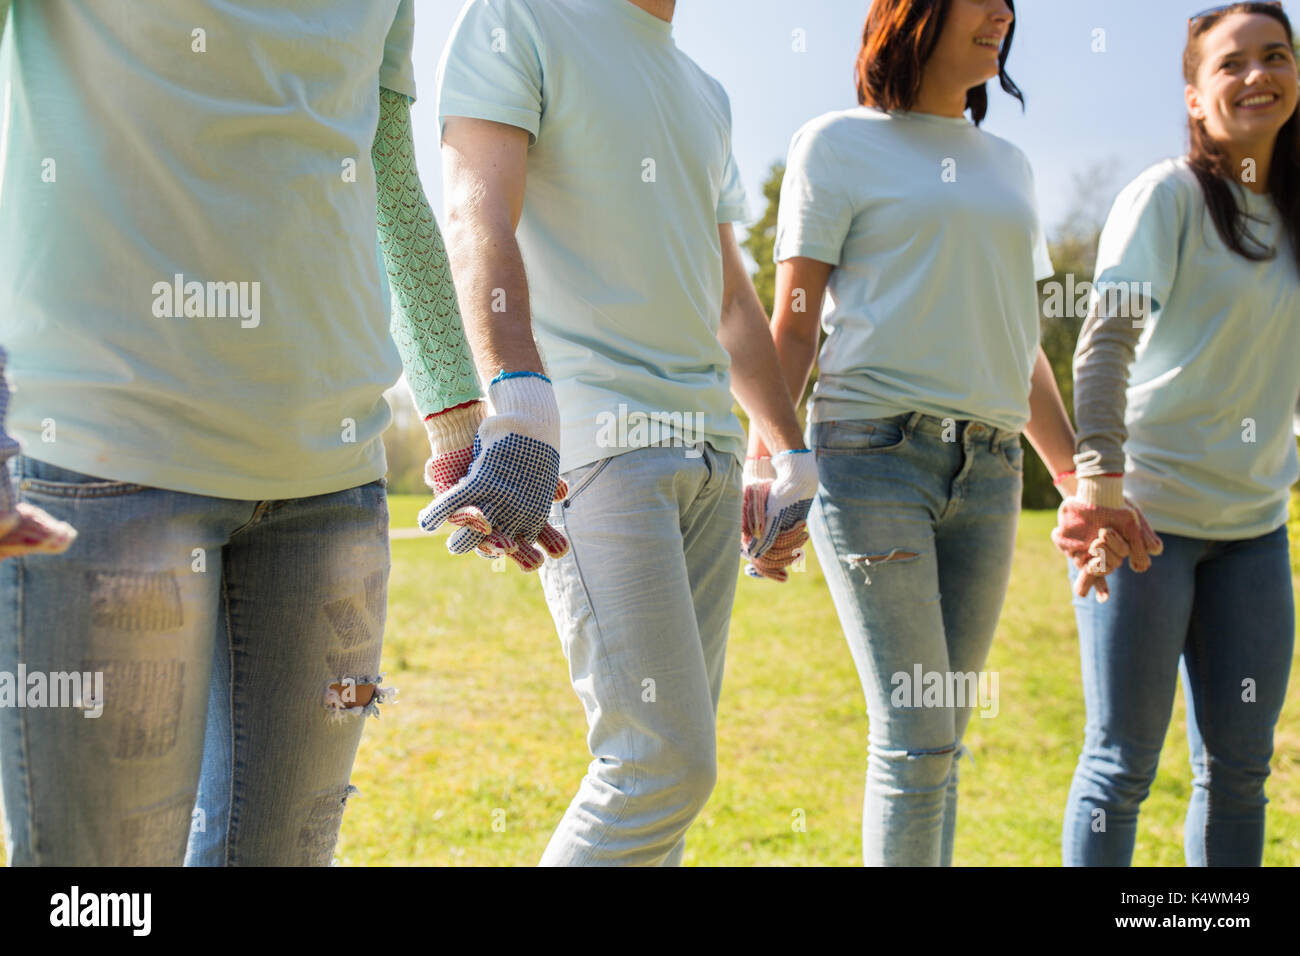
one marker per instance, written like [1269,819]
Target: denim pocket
[860,436]
[580,478]
[39,478]
[1013,456]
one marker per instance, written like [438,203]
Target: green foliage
[762,239]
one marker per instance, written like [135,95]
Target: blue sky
[1122,108]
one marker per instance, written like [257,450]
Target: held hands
[778,493]
[29,530]
[496,475]
[1097,528]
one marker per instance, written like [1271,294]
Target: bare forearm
[492,286]
[757,377]
[796,350]
[1049,430]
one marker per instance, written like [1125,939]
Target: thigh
[1238,653]
[622,601]
[872,525]
[711,545]
[305,590]
[976,543]
[1130,645]
[131,609]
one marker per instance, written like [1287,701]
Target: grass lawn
[477,760]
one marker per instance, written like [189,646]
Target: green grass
[488,731]
[487,722]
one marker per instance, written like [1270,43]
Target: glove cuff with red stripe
[451,440]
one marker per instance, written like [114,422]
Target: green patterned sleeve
[426,322]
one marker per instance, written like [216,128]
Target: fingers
[1138,560]
[1086,582]
[561,490]
[36,532]
[754,510]
[465,540]
[553,542]
[762,570]
[442,507]
[1155,547]
[1108,552]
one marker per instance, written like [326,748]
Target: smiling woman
[1190,413]
[1240,68]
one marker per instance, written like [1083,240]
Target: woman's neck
[1252,163]
[941,99]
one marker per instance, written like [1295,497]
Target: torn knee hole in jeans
[863,562]
[357,697]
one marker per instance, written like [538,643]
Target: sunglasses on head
[1227,6]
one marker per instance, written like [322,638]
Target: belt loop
[909,426]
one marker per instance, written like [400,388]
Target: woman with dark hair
[925,231]
[1189,409]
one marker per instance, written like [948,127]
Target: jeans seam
[230,651]
[605,828]
[582,486]
[24,734]
[1198,693]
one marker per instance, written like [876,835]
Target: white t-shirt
[190,291]
[629,174]
[1212,392]
[933,228]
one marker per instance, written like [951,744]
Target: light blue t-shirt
[1212,392]
[932,226]
[629,174]
[189,287]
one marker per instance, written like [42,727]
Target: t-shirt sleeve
[815,215]
[732,203]
[397,73]
[1140,241]
[491,68]
[1043,267]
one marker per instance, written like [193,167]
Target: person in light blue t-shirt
[924,230]
[591,193]
[198,203]
[1186,383]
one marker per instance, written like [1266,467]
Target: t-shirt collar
[647,21]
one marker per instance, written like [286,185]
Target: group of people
[220,458]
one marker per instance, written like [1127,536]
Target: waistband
[965,430]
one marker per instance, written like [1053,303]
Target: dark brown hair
[1210,162]
[898,40]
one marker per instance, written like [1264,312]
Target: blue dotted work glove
[778,493]
[502,504]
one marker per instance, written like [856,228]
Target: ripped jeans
[914,525]
[220,636]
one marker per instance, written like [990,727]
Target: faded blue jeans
[642,603]
[914,525]
[1222,613]
[206,617]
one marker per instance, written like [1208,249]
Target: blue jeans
[914,525]
[219,627]
[642,603]
[1222,613]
